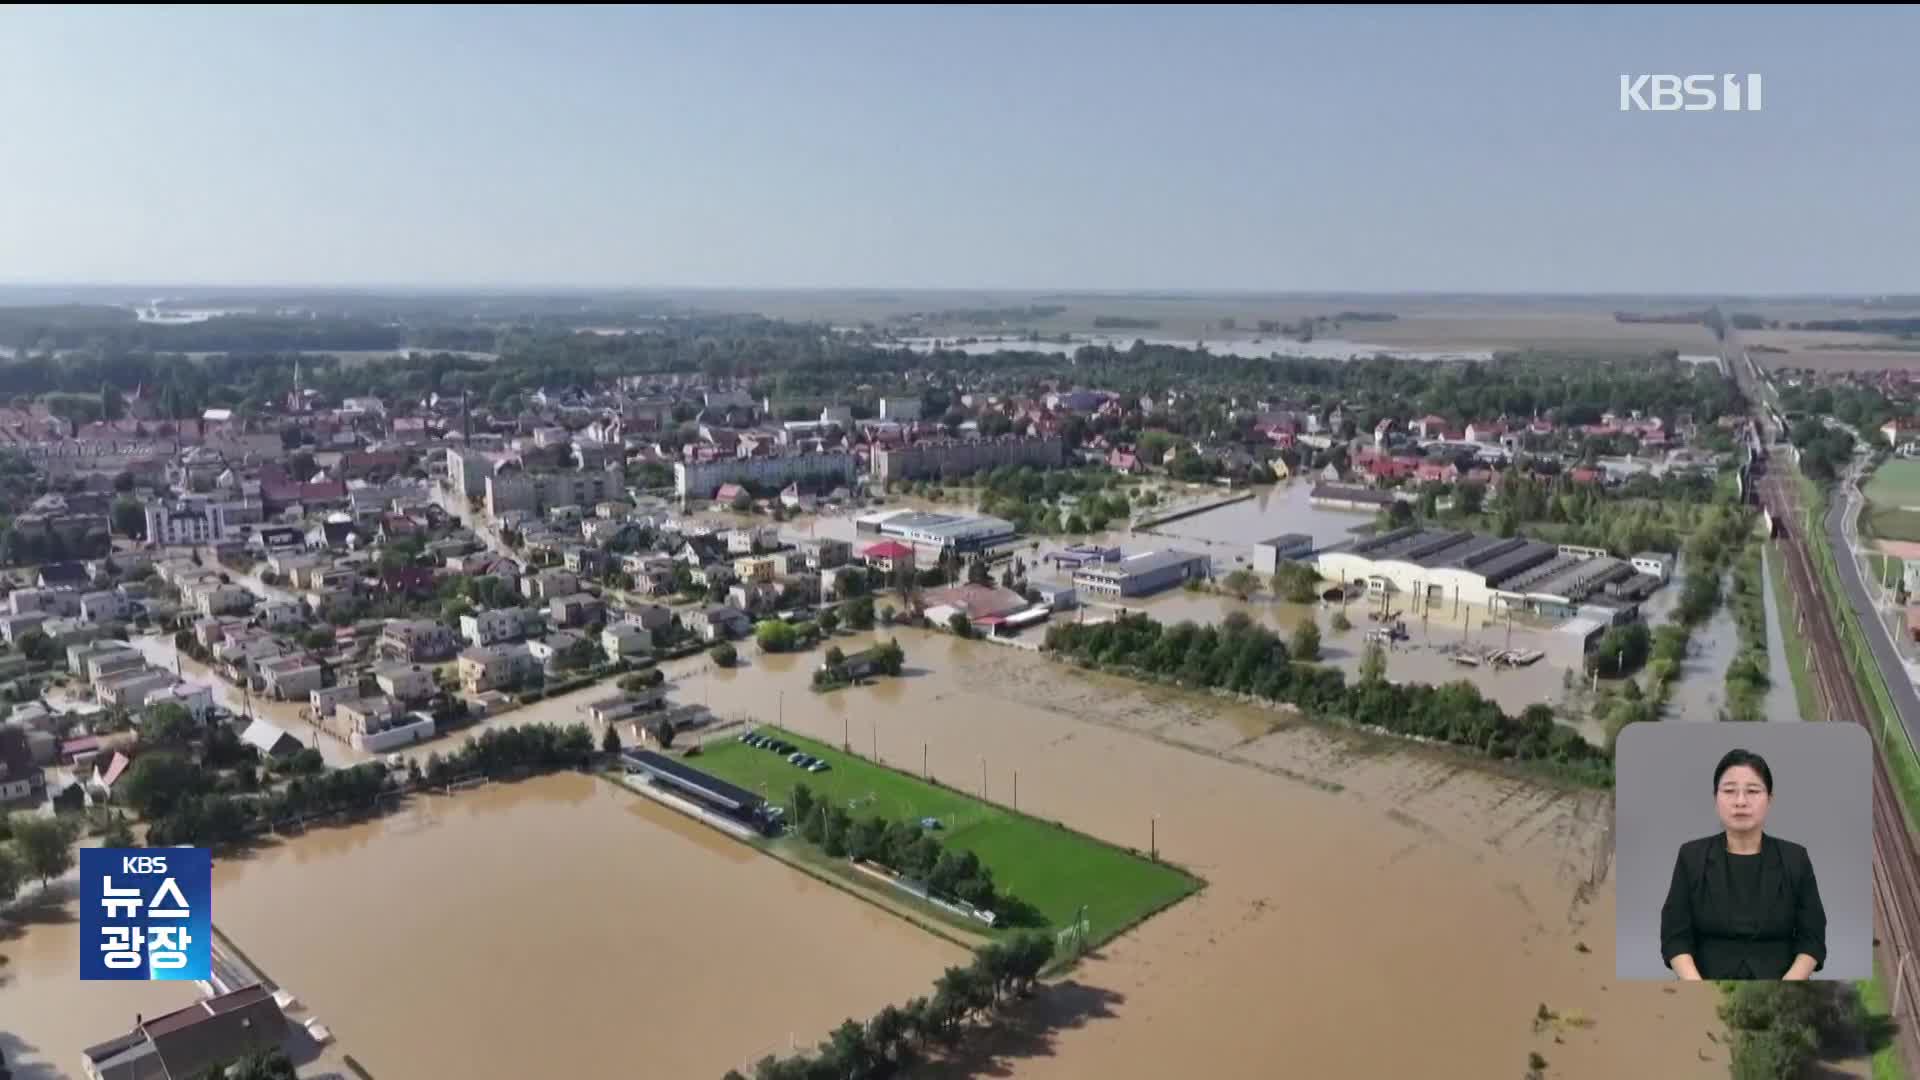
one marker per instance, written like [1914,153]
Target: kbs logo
[1689,93]
[145,913]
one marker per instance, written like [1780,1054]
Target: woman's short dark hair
[1748,758]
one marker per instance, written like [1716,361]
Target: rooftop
[1146,562]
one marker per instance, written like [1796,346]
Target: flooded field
[560,926]
[1231,531]
[1355,885]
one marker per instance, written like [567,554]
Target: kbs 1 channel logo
[146,914]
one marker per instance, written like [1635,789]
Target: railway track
[1896,868]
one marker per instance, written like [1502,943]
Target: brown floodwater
[1373,908]
[47,1015]
[560,926]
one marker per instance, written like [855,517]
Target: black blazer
[1701,919]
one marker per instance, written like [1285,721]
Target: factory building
[1142,574]
[1418,567]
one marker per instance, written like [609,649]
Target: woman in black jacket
[1743,905]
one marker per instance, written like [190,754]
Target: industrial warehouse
[1422,567]
[932,534]
[1142,574]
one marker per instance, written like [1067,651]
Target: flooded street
[1781,703]
[287,715]
[1353,881]
[1700,693]
[559,926]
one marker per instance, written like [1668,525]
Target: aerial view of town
[789,677]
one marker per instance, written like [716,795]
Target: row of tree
[1245,658]
[909,850]
[1747,676]
[897,1037]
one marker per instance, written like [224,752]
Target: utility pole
[1016,789]
[923,762]
[1153,838]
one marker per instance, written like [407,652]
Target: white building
[901,409]
[483,628]
[194,522]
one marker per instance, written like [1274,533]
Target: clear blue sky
[1385,149]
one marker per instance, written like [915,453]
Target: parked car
[819,766]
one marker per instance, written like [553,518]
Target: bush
[725,654]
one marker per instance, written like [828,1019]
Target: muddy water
[1231,531]
[47,1015]
[1357,886]
[560,926]
[1700,693]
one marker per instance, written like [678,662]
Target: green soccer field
[1895,484]
[1052,868]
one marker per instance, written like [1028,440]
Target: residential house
[548,584]
[65,575]
[754,598]
[550,648]
[494,666]
[271,740]
[404,682]
[587,562]
[280,615]
[333,536]
[578,609]
[712,574]
[758,569]
[418,640]
[14,627]
[21,781]
[321,702]
[750,541]
[887,555]
[291,678]
[103,661]
[624,639]
[1125,461]
[365,715]
[196,698]
[718,623]
[486,628]
[104,606]
[826,554]
[275,539]
[129,689]
[649,617]
[107,773]
[192,1041]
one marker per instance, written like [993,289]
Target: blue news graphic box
[146,913]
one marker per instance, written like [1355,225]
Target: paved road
[1839,525]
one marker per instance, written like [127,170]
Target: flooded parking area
[1229,532]
[1355,883]
[559,926]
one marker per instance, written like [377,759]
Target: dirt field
[1355,885]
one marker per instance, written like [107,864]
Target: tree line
[909,850]
[1244,658]
[222,799]
[897,1037]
